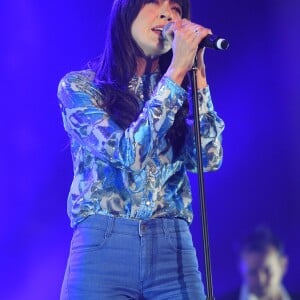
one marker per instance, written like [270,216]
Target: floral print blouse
[126,173]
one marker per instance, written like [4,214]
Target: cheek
[176,18]
[135,31]
[140,26]
[276,273]
[275,278]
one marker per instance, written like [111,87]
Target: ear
[284,261]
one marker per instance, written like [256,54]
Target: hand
[187,37]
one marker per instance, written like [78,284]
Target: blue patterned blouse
[123,173]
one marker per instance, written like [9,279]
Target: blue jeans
[116,258]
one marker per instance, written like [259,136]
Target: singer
[131,135]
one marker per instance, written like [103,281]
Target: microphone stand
[200,177]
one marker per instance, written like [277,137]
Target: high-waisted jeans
[116,258]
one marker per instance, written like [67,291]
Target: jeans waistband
[134,226]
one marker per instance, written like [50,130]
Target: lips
[158,31]
[157,28]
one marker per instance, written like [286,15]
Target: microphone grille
[165,29]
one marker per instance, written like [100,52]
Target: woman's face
[147,27]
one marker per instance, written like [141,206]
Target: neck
[146,65]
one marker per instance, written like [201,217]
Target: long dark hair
[117,65]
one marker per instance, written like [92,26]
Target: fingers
[190,30]
[187,36]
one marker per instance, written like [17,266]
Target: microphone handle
[215,42]
[210,41]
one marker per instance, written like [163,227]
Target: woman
[132,145]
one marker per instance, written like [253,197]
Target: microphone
[210,41]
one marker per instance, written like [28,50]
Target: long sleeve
[94,129]
[211,127]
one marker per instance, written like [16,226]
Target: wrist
[176,75]
[201,78]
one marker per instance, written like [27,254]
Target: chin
[157,53]
[162,48]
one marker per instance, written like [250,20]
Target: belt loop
[110,226]
[165,226]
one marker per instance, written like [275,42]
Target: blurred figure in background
[263,265]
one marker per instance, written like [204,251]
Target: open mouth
[157,29]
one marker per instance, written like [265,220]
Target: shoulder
[79,88]
[82,76]
[79,85]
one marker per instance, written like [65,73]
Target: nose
[166,11]
[166,16]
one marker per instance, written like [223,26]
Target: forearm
[211,127]
[92,127]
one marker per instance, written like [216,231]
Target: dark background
[255,88]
